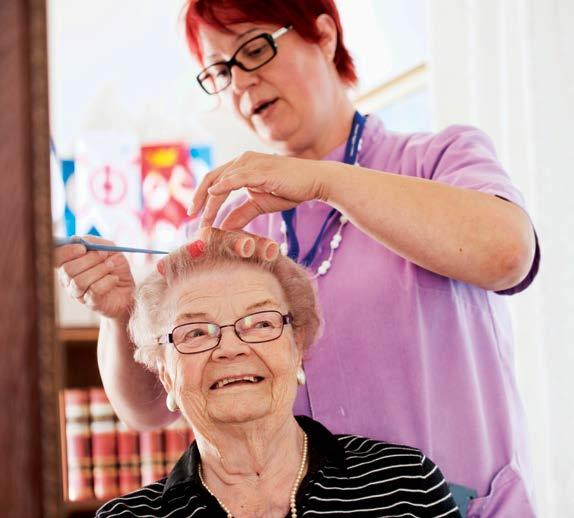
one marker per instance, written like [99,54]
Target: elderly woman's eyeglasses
[253,54]
[256,328]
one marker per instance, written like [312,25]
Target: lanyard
[351,152]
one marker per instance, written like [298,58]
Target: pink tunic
[408,356]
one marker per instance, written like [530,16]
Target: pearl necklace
[293,494]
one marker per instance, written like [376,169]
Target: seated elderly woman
[225,322]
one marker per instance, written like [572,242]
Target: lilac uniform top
[408,356]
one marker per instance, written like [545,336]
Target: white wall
[385,37]
[507,66]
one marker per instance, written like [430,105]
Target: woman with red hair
[413,239]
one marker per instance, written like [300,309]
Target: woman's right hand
[100,280]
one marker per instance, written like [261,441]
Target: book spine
[152,456]
[78,456]
[128,458]
[104,453]
[176,437]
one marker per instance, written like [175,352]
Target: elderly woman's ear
[164,376]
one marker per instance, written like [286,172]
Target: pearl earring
[170,402]
[301,378]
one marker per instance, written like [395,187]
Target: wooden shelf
[78,334]
[82,506]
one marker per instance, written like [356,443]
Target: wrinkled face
[222,296]
[287,100]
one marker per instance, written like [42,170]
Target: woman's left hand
[274,183]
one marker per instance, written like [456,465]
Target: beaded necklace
[292,495]
[290,245]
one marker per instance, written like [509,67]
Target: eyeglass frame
[287,319]
[231,62]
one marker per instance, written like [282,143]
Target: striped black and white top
[348,475]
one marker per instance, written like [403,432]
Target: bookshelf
[78,368]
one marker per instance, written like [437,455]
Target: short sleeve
[439,501]
[465,157]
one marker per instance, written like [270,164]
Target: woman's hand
[274,183]
[100,280]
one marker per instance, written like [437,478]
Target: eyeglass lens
[250,56]
[255,328]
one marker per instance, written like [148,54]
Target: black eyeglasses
[253,54]
[256,328]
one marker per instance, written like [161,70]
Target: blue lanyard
[351,152]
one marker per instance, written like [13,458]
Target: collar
[324,450]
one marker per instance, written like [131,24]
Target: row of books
[103,457]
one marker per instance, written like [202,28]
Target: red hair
[301,14]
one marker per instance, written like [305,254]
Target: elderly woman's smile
[242,358]
[233,381]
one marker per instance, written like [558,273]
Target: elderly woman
[226,335]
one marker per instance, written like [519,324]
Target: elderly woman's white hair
[151,313]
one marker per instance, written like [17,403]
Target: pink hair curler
[266,249]
[196,248]
[244,246]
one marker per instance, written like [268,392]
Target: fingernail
[191,211]
[103,253]
[196,248]
[160,265]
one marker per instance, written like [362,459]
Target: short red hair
[301,14]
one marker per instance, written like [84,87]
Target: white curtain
[507,67]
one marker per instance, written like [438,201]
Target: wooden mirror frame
[29,479]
